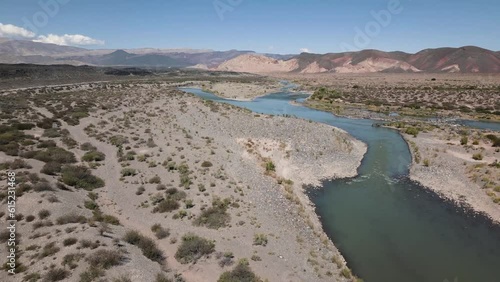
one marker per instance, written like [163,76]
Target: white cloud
[68,39]
[8,30]
[305,50]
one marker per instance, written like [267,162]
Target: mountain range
[468,59]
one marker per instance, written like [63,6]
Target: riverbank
[239,91]
[459,168]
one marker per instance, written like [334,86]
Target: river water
[388,227]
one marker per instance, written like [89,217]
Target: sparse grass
[48,250]
[193,248]
[260,240]
[43,214]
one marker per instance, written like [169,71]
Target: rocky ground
[142,182]
[460,164]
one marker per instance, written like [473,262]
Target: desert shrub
[175,194]
[87,147]
[159,231]
[51,168]
[48,250]
[55,154]
[84,244]
[241,273]
[160,277]
[71,259]
[93,156]
[118,140]
[122,278]
[105,218]
[47,123]
[161,187]
[30,218]
[56,274]
[206,164]
[91,274]
[23,126]
[150,143]
[193,248]
[346,272]
[81,177]
[412,131]
[477,157]
[42,186]
[166,205]
[464,140]
[91,205]
[69,241]
[260,240]
[128,172]
[147,245]
[140,190]
[69,142]
[43,214]
[71,218]
[494,139]
[105,259]
[427,163]
[155,180]
[32,277]
[46,144]
[15,164]
[270,166]
[52,133]
[216,216]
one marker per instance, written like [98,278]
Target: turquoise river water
[388,227]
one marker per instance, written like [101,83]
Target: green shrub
[52,133]
[412,131]
[128,172]
[270,166]
[464,140]
[477,157]
[55,154]
[346,272]
[241,273]
[214,217]
[51,168]
[80,177]
[94,156]
[260,240]
[147,245]
[193,248]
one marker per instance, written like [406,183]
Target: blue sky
[273,26]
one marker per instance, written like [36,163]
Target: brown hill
[467,59]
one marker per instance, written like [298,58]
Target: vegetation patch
[193,248]
[148,246]
[80,177]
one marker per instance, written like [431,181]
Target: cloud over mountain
[9,30]
[68,39]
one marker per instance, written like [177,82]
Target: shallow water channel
[388,227]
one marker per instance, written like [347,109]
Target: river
[388,227]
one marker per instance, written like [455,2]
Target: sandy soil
[163,125]
[240,91]
[453,173]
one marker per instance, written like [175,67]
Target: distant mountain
[468,59]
